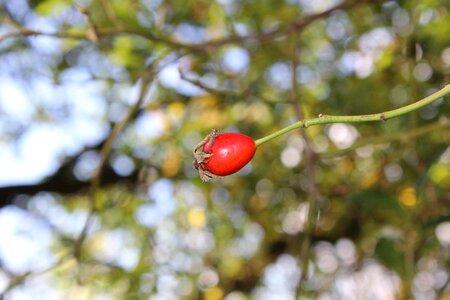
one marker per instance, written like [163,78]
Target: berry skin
[221,154]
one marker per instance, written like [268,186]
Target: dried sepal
[201,157]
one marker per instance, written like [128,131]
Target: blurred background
[102,103]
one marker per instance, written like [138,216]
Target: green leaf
[388,253]
[371,200]
[434,222]
[49,7]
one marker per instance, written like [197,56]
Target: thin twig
[311,157]
[109,12]
[380,117]
[208,89]
[104,155]
[100,32]
[27,32]
[20,279]
[443,289]
[92,34]
[409,250]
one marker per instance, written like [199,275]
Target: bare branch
[295,26]
[104,155]
[20,279]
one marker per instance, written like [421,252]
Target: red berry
[221,154]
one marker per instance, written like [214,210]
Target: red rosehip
[221,154]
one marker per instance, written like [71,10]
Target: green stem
[326,119]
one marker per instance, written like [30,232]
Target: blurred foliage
[383,191]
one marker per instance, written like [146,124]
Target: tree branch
[295,26]
[104,155]
[63,181]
